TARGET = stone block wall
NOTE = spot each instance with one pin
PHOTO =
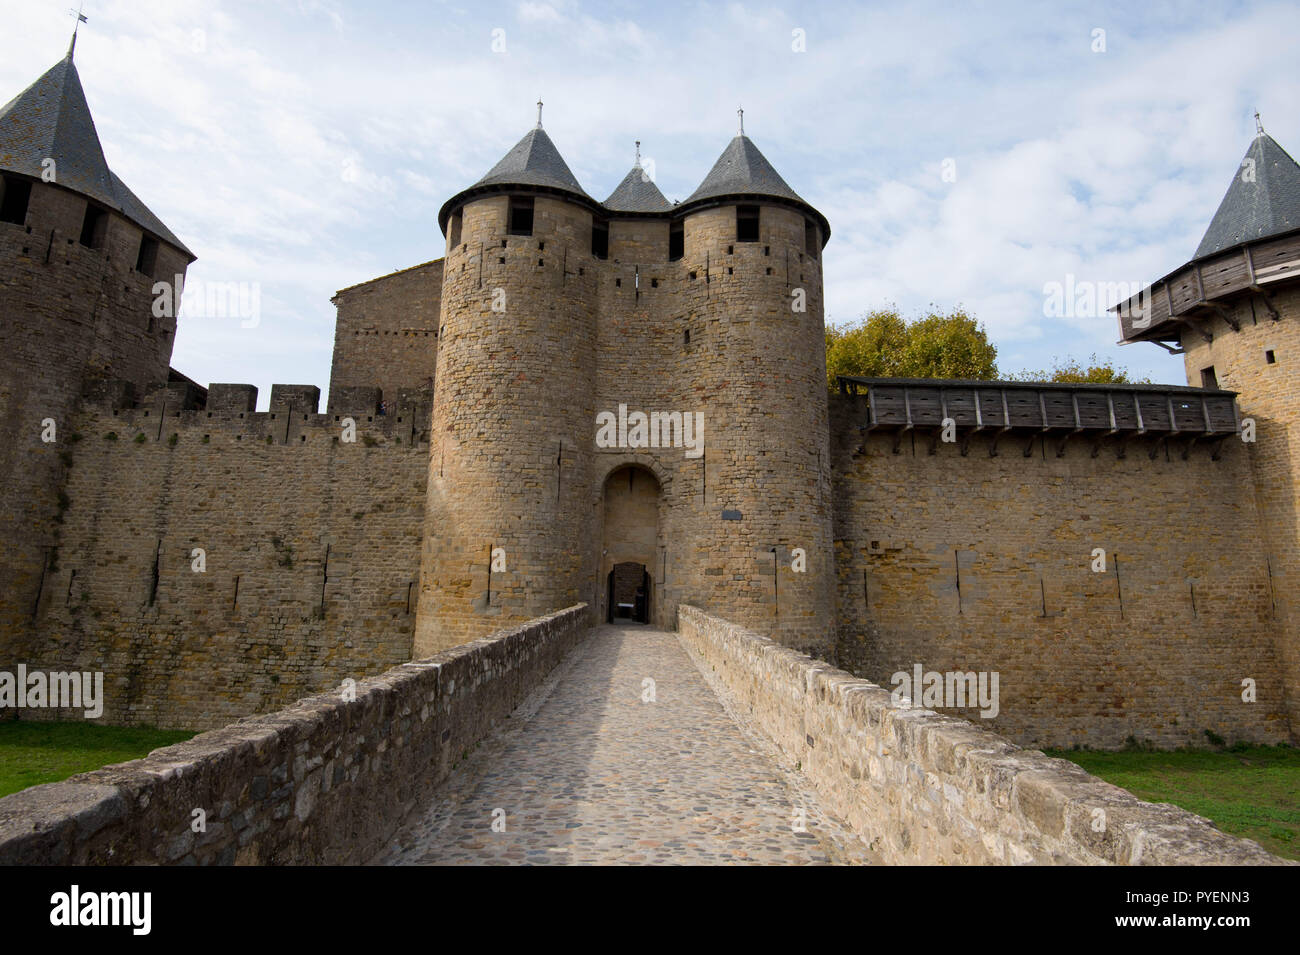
(386, 333)
(309, 550)
(326, 781)
(921, 787)
(69, 316)
(985, 564)
(1260, 360)
(513, 424)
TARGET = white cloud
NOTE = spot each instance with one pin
(1105, 166)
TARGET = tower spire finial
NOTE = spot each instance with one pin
(539, 114)
(1259, 127)
(638, 153)
(741, 113)
(81, 18)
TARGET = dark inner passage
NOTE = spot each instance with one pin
(629, 593)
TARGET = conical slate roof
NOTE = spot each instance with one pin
(1263, 200)
(534, 161)
(637, 193)
(51, 120)
(743, 170)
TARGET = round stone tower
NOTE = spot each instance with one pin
(508, 510)
(758, 549)
(630, 405)
(1233, 312)
(80, 255)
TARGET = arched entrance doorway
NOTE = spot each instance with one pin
(629, 544)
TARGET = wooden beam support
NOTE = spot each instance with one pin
(1268, 304)
(994, 437)
(1199, 327)
(1226, 316)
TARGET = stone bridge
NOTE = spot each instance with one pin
(556, 743)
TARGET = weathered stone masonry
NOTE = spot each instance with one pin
(921, 787)
(979, 563)
(310, 551)
(327, 780)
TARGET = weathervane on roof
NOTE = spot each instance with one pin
(638, 153)
(81, 18)
(1259, 127)
(539, 114)
(741, 114)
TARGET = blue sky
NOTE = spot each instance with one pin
(306, 146)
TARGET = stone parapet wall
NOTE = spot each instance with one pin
(921, 787)
(325, 781)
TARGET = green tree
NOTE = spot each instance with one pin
(882, 345)
(1071, 371)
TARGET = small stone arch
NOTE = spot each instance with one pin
(607, 464)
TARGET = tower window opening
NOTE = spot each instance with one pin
(686, 337)
(1270, 357)
(15, 194)
(453, 231)
(146, 260)
(746, 223)
(810, 237)
(521, 215)
(93, 227)
(676, 242)
(600, 238)
(1209, 379)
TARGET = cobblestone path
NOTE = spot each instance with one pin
(586, 772)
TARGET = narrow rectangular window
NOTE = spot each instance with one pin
(1270, 357)
(600, 238)
(93, 227)
(453, 231)
(1209, 379)
(146, 260)
(810, 243)
(521, 215)
(676, 242)
(15, 194)
(746, 223)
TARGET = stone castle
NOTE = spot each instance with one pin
(623, 404)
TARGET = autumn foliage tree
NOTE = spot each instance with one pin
(882, 345)
(1071, 371)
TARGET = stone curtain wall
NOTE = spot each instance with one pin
(311, 557)
(982, 563)
(921, 787)
(323, 782)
